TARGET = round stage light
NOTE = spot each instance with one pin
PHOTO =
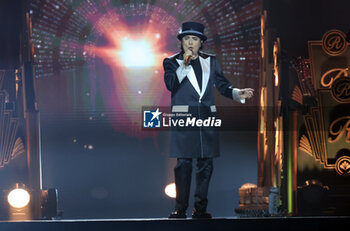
(18, 198)
(170, 190)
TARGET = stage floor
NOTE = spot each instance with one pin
(233, 223)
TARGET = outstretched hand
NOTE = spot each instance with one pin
(246, 93)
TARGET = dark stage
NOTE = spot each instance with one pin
(219, 224)
(89, 89)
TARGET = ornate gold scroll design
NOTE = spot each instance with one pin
(341, 90)
(8, 130)
(343, 166)
(18, 148)
(334, 42)
(315, 137)
(297, 95)
(344, 129)
(304, 145)
(341, 72)
(310, 130)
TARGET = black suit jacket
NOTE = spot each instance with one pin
(186, 96)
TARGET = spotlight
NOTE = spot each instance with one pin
(19, 197)
(25, 203)
(170, 190)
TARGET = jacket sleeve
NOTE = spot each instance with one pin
(174, 74)
(223, 85)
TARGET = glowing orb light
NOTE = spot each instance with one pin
(170, 190)
(131, 69)
(136, 53)
(18, 198)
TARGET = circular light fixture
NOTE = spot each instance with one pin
(170, 190)
(18, 198)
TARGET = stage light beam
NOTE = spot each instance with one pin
(136, 53)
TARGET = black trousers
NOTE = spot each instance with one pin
(183, 175)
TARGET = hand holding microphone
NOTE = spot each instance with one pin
(188, 56)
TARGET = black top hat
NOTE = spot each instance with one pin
(192, 28)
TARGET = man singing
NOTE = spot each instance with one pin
(191, 75)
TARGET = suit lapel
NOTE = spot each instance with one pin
(205, 64)
(191, 77)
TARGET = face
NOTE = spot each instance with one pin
(191, 42)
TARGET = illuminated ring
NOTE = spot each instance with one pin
(340, 161)
(330, 35)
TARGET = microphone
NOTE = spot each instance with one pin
(187, 60)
